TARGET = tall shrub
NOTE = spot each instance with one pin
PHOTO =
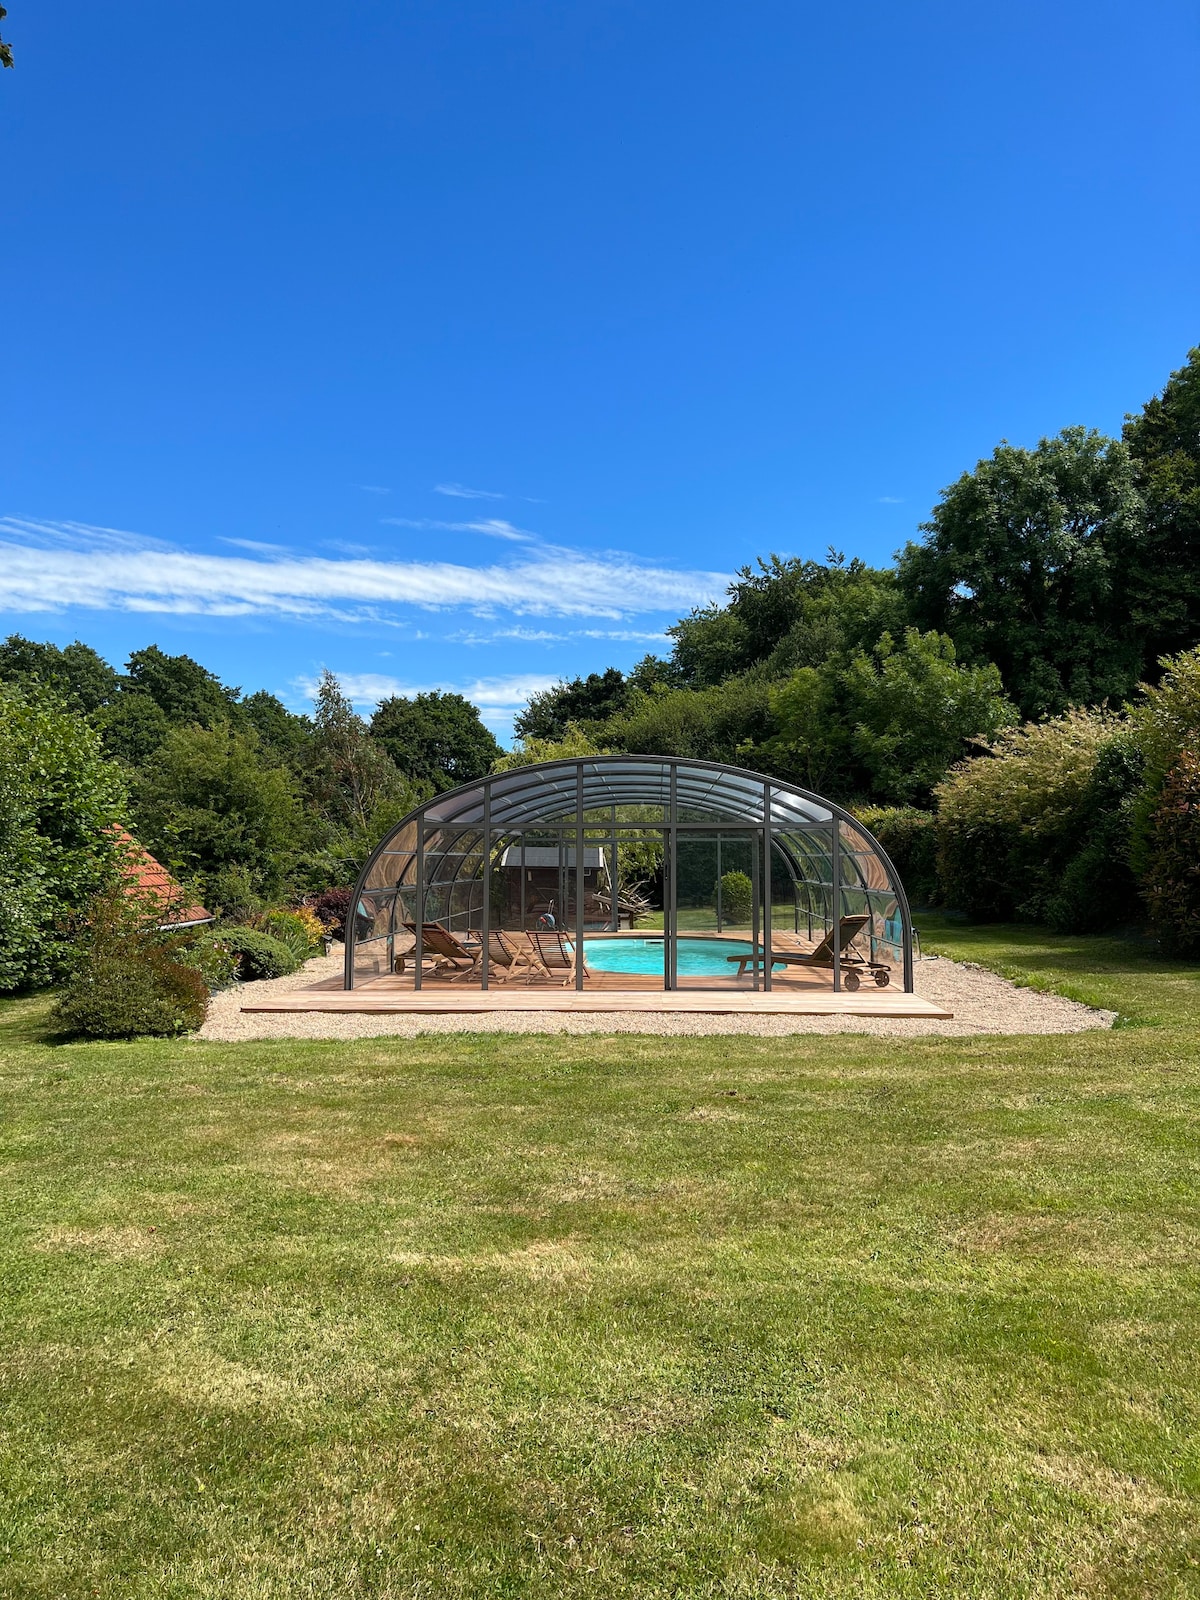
(128, 979)
(910, 838)
(1011, 820)
(59, 797)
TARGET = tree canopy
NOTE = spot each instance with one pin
(435, 738)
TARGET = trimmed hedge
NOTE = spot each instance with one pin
(737, 898)
(258, 954)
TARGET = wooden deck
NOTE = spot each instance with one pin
(381, 997)
(795, 991)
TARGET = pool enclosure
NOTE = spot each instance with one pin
(631, 860)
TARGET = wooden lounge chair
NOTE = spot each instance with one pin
(507, 958)
(852, 965)
(449, 953)
(554, 953)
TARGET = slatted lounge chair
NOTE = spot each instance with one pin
(506, 959)
(852, 965)
(554, 953)
(449, 953)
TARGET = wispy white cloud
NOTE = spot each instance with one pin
(258, 545)
(889, 500)
(49, 566)
(497, 698)
(459, 491)
(492, 527)
(372, 488)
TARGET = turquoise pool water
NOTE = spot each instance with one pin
(698, 958)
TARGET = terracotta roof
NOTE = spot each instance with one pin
(151, 882)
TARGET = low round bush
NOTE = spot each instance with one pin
(301, 932)
(258, 954)
(119, 993)
(209, 955)
(737, 897)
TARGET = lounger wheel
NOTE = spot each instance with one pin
(850, 980)
(882, 977)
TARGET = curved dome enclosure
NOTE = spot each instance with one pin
(577, 852)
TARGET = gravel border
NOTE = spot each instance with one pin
(981, 1001)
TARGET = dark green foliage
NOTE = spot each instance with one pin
(596, 698)
(133, 727)
(209, 800)
(59, 799)
(909, 836)
(886, 724)
(76, 674)
(435, 738)
(281, 732)
(1098, 889)
(1027, 562)
(1172, 878)
(209, 955)
(183, 689)
(737, 898)
(786, 613)
(127, 980)
(258, 953)
(1162, 590)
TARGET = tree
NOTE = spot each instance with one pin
(1162, 589)
(914, 710)
(183, 689)
(435, 738)
(6, 55)
(1026, 562)
(76, 674)
(784, 614)
(59, 799)
(596, 698)
(354, 784)
(212, 805)
(279, 730)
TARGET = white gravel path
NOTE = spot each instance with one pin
(981, 1002)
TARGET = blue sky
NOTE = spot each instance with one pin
(466, 345)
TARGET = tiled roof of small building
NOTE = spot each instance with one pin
(150, 881)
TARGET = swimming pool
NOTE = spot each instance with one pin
(698, 958)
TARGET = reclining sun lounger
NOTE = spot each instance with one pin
(852, 965)
(446, 948)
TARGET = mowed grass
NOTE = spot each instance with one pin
(598, 1316)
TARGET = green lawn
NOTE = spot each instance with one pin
(610, 1316)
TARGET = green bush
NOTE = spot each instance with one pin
(1171, 884)
(59, 799)
(258, 954)
(910, 838)
(127, 980)
(1010, 822)
(293, 929)
(737, 898)
(209, 955)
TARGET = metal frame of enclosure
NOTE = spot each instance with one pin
(459, 860)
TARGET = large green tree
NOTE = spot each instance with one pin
(353, 784)
(215, 807)
(59, 799)
(75, 673)
(435, 738)
(596, 698)
(1028, 562)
